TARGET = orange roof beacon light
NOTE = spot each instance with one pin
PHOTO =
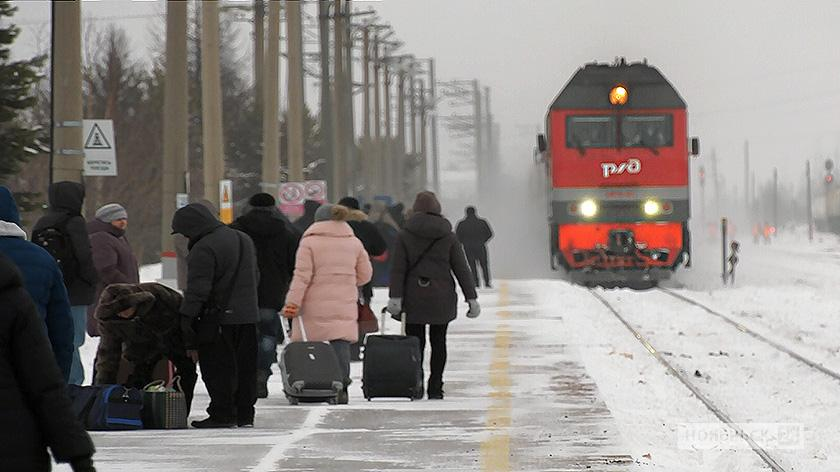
(618, 95)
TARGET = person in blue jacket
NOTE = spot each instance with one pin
(42, 279)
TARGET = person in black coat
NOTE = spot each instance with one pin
(221, 262)
(474, 233)
(304, 222)
(35, 409)
(80, 277)
(276, 248)
(427, 254)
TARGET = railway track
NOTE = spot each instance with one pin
(685, 380)
(740, 327)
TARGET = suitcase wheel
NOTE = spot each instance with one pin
(293, 401)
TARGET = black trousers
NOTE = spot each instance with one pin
(229, 370)
(437, 339)
(475, 256)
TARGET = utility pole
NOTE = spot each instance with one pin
(340, 151)
(378, 180)
(434, 130)
(776, 199)
(349, 119)
(366, 83)
(489, 159)
(412, 113)
(326, 116)
(294, 34)
(398, 154)
(211, 102)
(175, 121)
(271, 94)
(747, 176)
(810, 212)
(388, 154)
(478, 126)
(423, 171)
(67, 150)
(259, 51)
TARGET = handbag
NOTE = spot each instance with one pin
(209, 324)
(164, 407)
(367, 320)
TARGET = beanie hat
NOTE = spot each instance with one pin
(427, 202)
(262, 200)
(349, 202)
(470, 211)
(328, 211)
(111, 212)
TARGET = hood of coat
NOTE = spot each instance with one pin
(331, 229)
(262, 221)
(357, 215)
(11, 230)
(194, 221)
(120, 297)
(67, 196)
(8, 206)
(97, 226)
(9, 275)
(428, 225)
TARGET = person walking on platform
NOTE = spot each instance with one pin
(112, 256)
(389, 229)
(331, 265)
(276, 247)
(474, 233)
(305, 221)
(142, 323)
(426, 255)
(220, 306)
(62, 231)
(36, 411)
(42, 279)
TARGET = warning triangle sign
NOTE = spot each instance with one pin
(96, 139)
(225, 196)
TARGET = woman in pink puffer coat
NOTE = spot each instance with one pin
(331, 265)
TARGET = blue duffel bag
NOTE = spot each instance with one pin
(108, 407)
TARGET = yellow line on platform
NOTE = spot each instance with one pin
(495, 450)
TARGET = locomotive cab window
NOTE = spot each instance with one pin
(590, 132)
(649, 131)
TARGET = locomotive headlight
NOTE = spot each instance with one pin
(588, 208)
(618, 95)
(652, 208)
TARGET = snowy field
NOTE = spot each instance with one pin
(548, 379)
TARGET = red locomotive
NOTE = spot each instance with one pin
(617, 154)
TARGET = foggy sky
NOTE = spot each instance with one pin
(749, 69)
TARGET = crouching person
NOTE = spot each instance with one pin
(142, 323)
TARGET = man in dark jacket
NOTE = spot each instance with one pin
(34, 405)
(112, 256)
(304, 222)
(474, 233)
(65, 215)
(276, 249)
(221, 296)
(42, 279)
(422, 287)
(142, 323)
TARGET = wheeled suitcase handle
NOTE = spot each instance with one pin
(302, 328)
(384, 317)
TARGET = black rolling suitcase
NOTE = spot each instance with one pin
(311, 372)
(392, 366)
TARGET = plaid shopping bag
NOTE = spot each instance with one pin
(164, 407)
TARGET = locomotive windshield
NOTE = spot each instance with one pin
(649, 131)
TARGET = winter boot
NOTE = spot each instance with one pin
(262, 383)
(211, 423)
(435, 390)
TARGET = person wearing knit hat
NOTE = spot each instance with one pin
(112, 255)
(261, 200)
(426, 256)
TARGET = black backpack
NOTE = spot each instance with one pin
(57, 242)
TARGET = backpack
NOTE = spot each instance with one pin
(57, 242)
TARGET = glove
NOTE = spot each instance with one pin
(394, 306)
(82, 464)
(475, 309)
(187, 332)
(290, 310)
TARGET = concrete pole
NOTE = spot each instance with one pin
(326, 115)
(400, 151)
(349, 128)
(488, 128)
(67, 158)
(294, 34)
(339, 152)
(434, 130)
(422, 174)
(211, 102)
(478, 127)
(271, 109)
(259, 52)
(776, 199)
(412, 116)
(366, 81)
(175, 119)
(810, 210)
(377, 86)
(387, 151)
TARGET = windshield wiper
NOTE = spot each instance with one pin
(650, 147)
(576, 142)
